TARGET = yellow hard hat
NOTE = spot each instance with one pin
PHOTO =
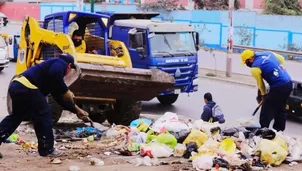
(246, 54)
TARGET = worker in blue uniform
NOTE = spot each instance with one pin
(270, 67)
(28, 91)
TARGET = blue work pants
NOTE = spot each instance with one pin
(29, 103)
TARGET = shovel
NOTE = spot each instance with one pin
(256, 110)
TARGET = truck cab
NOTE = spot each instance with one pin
(170, 47)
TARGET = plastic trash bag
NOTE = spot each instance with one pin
(228, 146)
(181, 136)
(295, 148)
(179, 150)
(164, 138)
(265, 133)
(155, 150)
(271, 152)
(221, 162)
(206, 127)
(141, 124)
(203, 162)
(210, 147)
(169, 121)
(196, 136)
(190, 147)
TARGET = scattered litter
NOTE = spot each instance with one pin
(147, 161)
(107, 153)
(96, 161)
(55, 161)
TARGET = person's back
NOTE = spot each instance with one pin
(212, 111)
(272, 70)
(46, 75)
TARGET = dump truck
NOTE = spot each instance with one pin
(170, 47)
(105, 84)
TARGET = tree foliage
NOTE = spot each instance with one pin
(215, 4)
(282, 7)
(166, 5)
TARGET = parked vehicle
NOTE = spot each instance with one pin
(4, 61)
(294, 103)
(12, 42)
(4, 18)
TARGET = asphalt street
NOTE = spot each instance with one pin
(236, 101)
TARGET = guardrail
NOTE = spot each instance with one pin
(291, 53)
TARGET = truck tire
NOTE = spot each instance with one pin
(167, 99)
(56, 109)
(124, 112)
(1, 68)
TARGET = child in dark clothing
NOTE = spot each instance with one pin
(211, 111)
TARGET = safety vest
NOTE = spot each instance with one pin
(272, 70)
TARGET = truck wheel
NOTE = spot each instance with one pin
(1, 68)
(124, 112)
(167, 99)
(56, 109)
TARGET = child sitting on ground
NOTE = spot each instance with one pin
(211, 111)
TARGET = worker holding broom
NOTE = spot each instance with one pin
(269, 66)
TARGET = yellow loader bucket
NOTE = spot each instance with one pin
(100, 81)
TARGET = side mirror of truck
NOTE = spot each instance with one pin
(141, 52)
(196, 40)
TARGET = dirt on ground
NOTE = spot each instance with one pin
(82, 154)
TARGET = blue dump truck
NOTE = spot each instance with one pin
(170, 47)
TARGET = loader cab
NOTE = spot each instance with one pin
(92, 28)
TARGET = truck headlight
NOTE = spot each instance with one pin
(195, 81)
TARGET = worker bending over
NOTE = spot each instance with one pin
(28, 91)
(270, 67)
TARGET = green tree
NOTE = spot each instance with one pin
(282, 7)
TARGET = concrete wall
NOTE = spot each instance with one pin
(266, 31)
(17, 11)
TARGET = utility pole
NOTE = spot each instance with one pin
(230, 40)
(92, 6)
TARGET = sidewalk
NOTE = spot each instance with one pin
(246, 80)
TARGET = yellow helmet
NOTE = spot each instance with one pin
(246, 54)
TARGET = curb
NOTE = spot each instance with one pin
(229, 81)
(217, 78)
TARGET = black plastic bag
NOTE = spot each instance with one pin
(265, 133)
(221, 163)
(190, 147)
(181, 135)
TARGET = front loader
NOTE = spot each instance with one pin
(105, 84)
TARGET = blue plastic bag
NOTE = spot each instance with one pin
(136, 122)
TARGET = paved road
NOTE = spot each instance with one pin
(236, 101)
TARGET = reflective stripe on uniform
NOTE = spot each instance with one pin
(23, 80)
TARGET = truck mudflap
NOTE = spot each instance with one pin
(100, 81)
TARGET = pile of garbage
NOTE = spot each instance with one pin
(242, 145)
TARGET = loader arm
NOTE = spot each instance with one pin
(32, 37)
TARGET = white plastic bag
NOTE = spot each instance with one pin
(203, 162)
(155, 150)
(179, 150)
(170, 122)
